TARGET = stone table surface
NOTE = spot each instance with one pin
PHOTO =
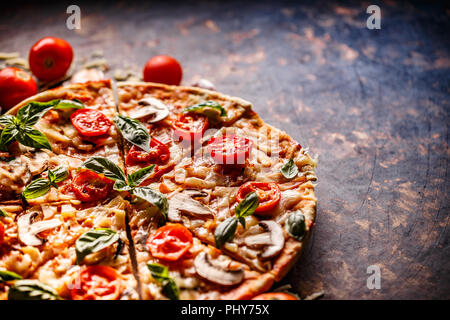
(373, 104)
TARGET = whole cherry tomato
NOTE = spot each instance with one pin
(269, 194)
(170, 242)
(230, 149)
(163, 69)
(96, 283)
(90, 122)
(275, 296)
(88, 186)
(15, 85)
(50, 58)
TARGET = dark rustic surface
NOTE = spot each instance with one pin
(373, 104)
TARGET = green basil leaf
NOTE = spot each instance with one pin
(58, 175)
(94, 241)
(105, 167)
(241, 221)
(32, 290)
(136, 178)
(153, 197)
(3, 213)
(30, 114)
(201, 107)
(6, 275)
(36, 189)
(133, 131)
(121, 185)
(211, 109)
(69, 104)
(158, 271)
(170, 289)
(51, 175)
(247, 206)
(7, 136)
(295, 225)
(161, 274)
(289, 170)
(225, 231)
(6, 120)
(32, 138)
(40, 187)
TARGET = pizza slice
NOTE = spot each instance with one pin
(59, 129)
(209, 193)
(32, 236)
(77, 120)
(174, 264)
(175, 118)
(80, 251)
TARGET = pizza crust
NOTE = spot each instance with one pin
(59, 92)
(250, 288)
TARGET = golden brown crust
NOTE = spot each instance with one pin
(191, 90)
(250, 288)
(60, 92)
(292, 248)
(181, 97)
(290, 149)
(288, 257)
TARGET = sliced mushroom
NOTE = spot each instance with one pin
(28, 229)
(37, 162)
(183, 203)
(276, 237)
(259, 239)
(13, 176)
(20, 171)
(271, 240)
(150, 107)
(217, 272)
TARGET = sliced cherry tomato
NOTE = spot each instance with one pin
(190, 127)
(159, 154)
(50, 58)
(89, 186)
(2, 233)
(230, 149)
(96, 283)
(163, 69)
(268, 192)
(275, 296)
(15, 85)
(170, 242)
(90, 122)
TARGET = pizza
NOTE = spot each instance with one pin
(148, 191)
